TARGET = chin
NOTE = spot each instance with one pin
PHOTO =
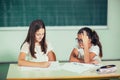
(81, 47)
(38, 40)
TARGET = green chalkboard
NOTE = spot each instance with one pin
(53, 12)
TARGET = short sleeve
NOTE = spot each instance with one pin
(25, 48)
(50, 48)
(95, 49)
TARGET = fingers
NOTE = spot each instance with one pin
(95, 62)
(47, 64)
(84, 33)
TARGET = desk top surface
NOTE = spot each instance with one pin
(15, 73)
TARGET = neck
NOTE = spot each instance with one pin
(37, 44)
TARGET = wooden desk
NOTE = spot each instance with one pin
(14, 73)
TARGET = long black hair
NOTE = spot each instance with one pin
(93, 36)
(34, 26)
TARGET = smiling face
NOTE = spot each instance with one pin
(39, 34)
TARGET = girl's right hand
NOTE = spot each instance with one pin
(44, 64)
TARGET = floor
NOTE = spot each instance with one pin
(3, 70)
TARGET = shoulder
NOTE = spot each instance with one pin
(76, 48)
(75, 51)
(26, 44)
(95, 49)
(25, 47)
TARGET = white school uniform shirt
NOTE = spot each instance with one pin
(93, 48)
(40, 56)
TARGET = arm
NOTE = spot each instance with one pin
(74, 56)
(51, 56)
(88, 56)
(23, 62)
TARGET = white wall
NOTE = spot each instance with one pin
(63, 40)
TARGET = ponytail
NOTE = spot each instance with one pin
(95, 41)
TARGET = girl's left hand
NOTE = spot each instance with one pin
(94, 62)
(85, 39)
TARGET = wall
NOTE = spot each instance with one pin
(64, 39)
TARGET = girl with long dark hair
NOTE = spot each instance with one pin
(35, 50)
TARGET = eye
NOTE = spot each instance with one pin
(37, 34)
(42, 33)
(79, 40)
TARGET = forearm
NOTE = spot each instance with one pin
(75, 59)
(86, 55)
(32, 64)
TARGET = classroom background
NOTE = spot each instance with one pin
(63, 40)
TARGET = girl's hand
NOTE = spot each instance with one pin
(45, 64)
(94, 62)
(85, 39)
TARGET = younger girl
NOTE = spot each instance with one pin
(35, 50)
(89, 49)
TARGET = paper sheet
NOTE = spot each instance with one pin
(78, 67)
